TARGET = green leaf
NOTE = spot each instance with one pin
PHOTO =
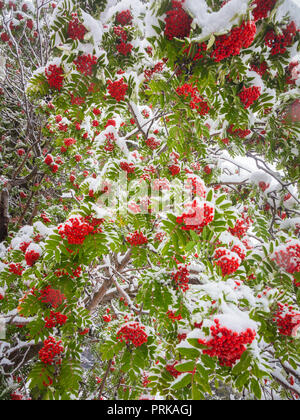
(184, 380)
(185, 367)
(189, 352)
(255, 387)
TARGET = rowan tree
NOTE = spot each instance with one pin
(158, 252)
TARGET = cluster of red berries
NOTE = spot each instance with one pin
(53, 297)
(178, 22)
(296, 282)
(262, 8)
(16, 269)
(241, 227)
(174, 170)
(84, 332)
(182, 337)
(288, 257)
(181, 278)
(260, 68)
(4, 37)
(228, 346)
(279, 43)
(24, 245)
(124, 48)
(200, 52)
(85, 64)
(263, 186)
(249, 95)
(55, 76)
(240, 251)
(196, 187)
(137, 239)
(156, 69)
(238, 132)
(231, 44)
(152, 143)
(173, 317)
(287, 320)
(31, 257)
(109, 145)
(51, 352)
(76, 30)
(145, 381)
(77, 229)
(228, 261)
(120, 32)
(55, 318)
(197, 101)
(124, 18)
(172, 370)
(127, 167)
(133, 333)
(70, 141)
(76, 273)
(293, 72)
(15, 396)
(77, 100)
(198, 216)
(50, 162)
(50, 382)
(117, 89)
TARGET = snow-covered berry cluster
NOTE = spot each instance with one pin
(152, 143)
(227, 345)
(49, 161)
(198, 215)
(132, 334)
(76, 30)
(262, 8)
(196, 186)
(31, 257)
(55, 76)
(287, 320)
(181, 278)
(279, 43)
(124, 18)
(117, 89)
(16, 269)
(137, 239)
(231, 44)
(85, 64)
(293, 73)
(178, 22)
(127, 167)
(288, 256)
(241, 227)
(228, 261)
(76, 229)
(124, 48)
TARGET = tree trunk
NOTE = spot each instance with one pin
(4, 216)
